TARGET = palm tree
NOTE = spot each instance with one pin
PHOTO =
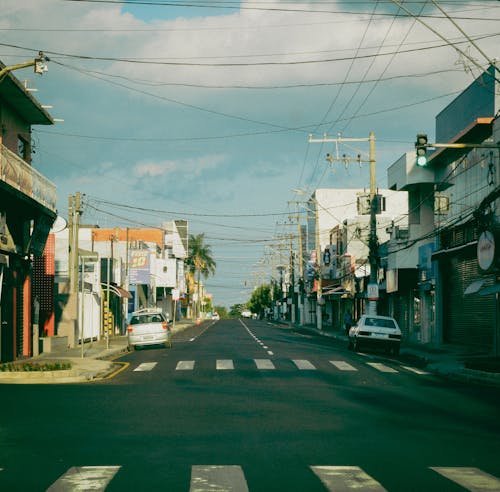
(200, 258)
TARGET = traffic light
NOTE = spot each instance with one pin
(421, 148)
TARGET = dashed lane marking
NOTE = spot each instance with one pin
(185, 365)
(415, 370)
(224, 364)
(381, 367)
(345, 478)
(85, 478)
(145, 366)
(264, 364)
(342, 365)
(303, 365)
(229, 478)
(472, 479)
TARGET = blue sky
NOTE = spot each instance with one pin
(204, 114)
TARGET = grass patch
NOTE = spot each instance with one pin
(34, 366)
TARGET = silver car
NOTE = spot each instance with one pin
(148, 327)
(375, 331)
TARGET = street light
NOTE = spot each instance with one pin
(39, 65)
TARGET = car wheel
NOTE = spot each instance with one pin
(130, 348)
(349, 345)
(395, 350)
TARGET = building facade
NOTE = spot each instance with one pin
(27, 212)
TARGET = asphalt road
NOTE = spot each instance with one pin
(246, 405)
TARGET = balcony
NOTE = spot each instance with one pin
(20, 175)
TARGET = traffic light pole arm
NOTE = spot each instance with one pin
(463, 146)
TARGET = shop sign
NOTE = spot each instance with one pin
(372, 292)
(486, 250)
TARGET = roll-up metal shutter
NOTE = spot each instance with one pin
(467, 319)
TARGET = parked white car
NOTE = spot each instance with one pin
(148, 327)
(246, 313)
(375, 331)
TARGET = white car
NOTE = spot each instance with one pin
(375, 331)
(148, 327)
(246, 313)
(216, 316)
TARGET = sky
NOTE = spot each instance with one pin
(203, 110)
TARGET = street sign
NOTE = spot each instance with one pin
(372, 292)
(176, 294)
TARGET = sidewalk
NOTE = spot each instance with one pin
(450, 361)
(97, 362)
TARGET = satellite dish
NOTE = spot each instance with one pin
(59, 225)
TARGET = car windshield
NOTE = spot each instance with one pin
(146, 318)
(381, 322)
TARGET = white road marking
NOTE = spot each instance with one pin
(192, 339)
(381, 367)
(342, 365)
(346, 478)
(270, 353)
(218, 479)
(415, 370)
(265, 347)
(84, 478)
(224, 364)
(471, 479)
(303, 365)
(146, 366)
(264, 364)
(185, 365)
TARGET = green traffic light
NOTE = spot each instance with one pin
(422, 160)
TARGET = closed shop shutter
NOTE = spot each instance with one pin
(467, 319)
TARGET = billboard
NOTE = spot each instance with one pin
(139, 266)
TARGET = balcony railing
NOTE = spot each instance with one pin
(21, 176)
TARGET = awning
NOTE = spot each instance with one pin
(117, 290)
(437, 254)
(491, 289)
(474, 287)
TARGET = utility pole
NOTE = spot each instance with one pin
(74, 211)
(372, 291)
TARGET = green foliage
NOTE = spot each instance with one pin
(222, 312)
(261, 298)
(235, 310)
(34, 366)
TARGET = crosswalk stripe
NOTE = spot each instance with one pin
(264, 364)
(224, 364)
(146, 366)
(346, 478)
(381, 367)
(185, 365)
(84, 478)
(218, 478)
(471, 479)
(303, 365)
(415, 370)
(342, 365)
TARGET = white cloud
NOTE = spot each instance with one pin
(186, 167)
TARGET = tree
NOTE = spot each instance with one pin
(235, 310)
(222, 311)
(260, 299)
(200, 260)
